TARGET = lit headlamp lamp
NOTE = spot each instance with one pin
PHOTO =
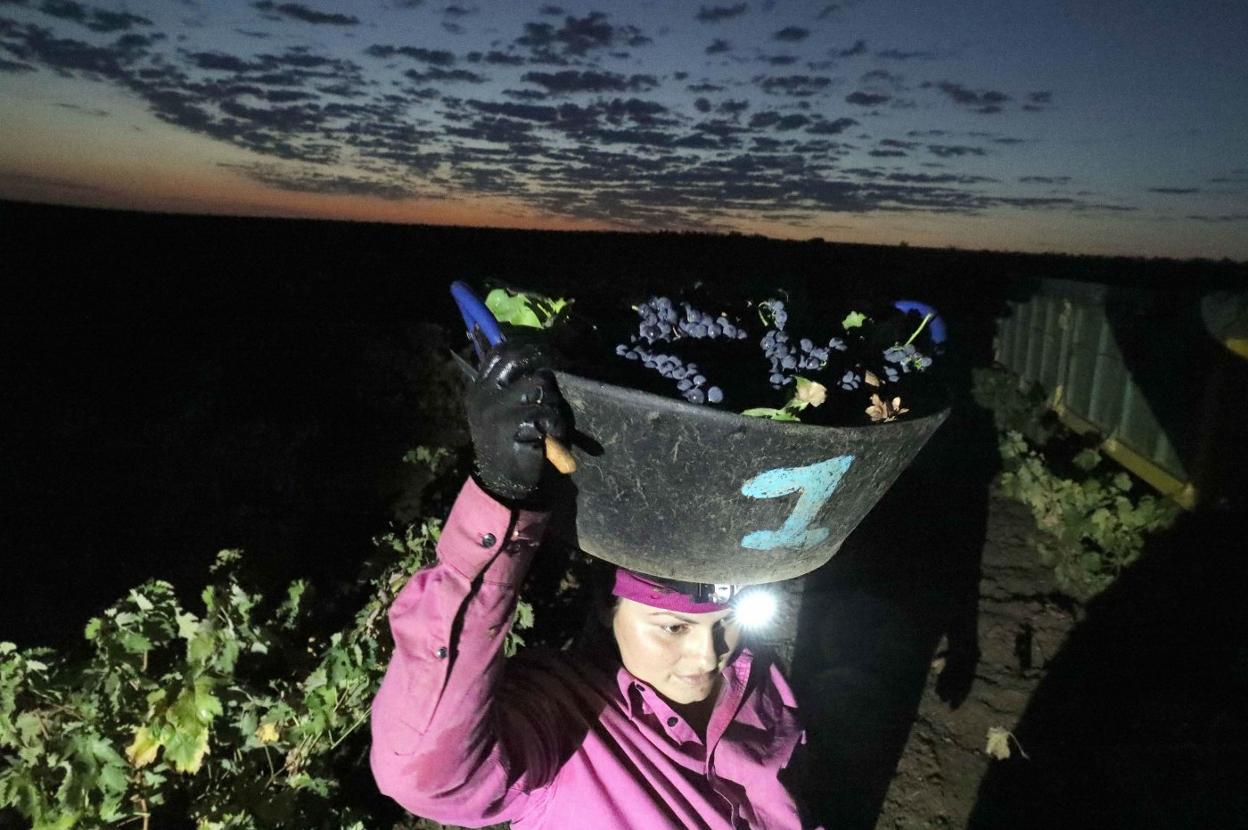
(753, 606)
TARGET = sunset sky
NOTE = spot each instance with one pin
(1077, 126)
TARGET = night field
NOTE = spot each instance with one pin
(174, 386)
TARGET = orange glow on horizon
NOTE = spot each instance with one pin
(213, 191)
(149, 166)
(213, 194)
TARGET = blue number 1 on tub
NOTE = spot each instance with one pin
(816, 483)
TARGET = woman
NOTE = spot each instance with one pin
(678, 726)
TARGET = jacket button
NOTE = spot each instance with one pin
(672, 721)
(488, 540)
(440, 652)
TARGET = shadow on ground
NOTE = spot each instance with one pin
(874, 618)
(1142, 718)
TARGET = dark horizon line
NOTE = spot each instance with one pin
(1223, 262)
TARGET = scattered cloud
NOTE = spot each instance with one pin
(577, 37)
(955, 150)
(1236, 176)
(903, 55)
(15, 67)
(859, 48)
(437, 74)
(777, 121)
(300, 12)
(97, 20)
(834, 127)
(867, 99)
(437, 57)
(1218, 218)
(570, 81)
(495, 58)
(544, 114)
(716, 14)
(882, 76)
(985, 102)
(791, 34)
(937, 178)
(311, 180)
(797, 86)
(94, 112)
(1038, 101)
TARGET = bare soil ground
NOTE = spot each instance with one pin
(1022, 625)
(1127, 711)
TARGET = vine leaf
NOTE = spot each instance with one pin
(267, 733)
(853, 320)
(186, 749)
(523, 308)
(998, 745)
(142, 751)
(1086, 459)
(773, 414)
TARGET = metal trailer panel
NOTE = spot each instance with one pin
(1062, 339)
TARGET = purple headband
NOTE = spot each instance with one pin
(636, 587)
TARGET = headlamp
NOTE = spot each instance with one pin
(719, 594)
(753, 606)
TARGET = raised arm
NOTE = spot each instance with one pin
(441, 747)
(436, 746)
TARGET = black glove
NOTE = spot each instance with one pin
(512, 405)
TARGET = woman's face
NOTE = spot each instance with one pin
(681, 655)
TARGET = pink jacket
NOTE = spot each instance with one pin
(463, 736)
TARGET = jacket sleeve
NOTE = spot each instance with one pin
(440, 747)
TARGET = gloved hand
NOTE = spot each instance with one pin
(512, 405)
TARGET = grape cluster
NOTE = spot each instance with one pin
(907, 357)
(662, 323)
(785, 359)
(659, 320)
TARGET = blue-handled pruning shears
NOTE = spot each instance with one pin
(937, 329)
(484, 332)
(478, 320)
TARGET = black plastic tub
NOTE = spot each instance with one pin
(688, 492)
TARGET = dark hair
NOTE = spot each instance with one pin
(597, 577)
